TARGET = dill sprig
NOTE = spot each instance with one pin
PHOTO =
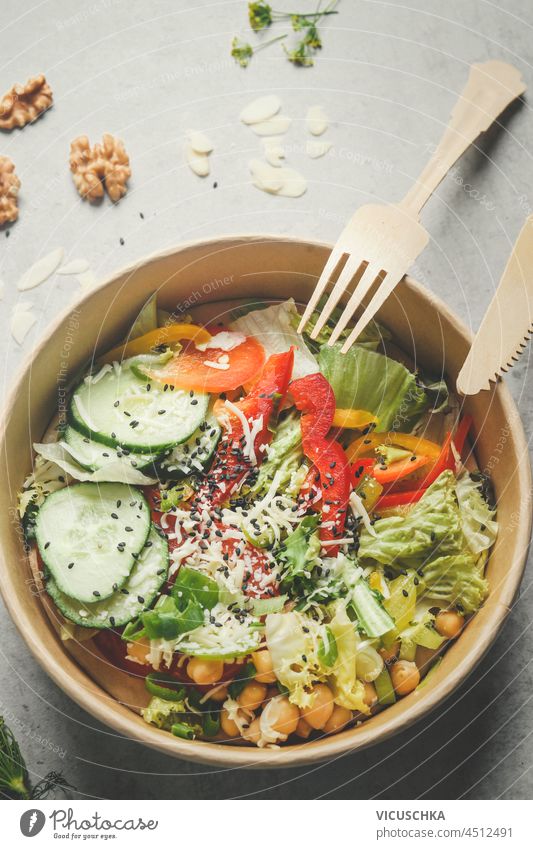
(262, 15)
(242, 52)
(14, 778)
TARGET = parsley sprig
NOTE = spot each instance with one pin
(261, 16)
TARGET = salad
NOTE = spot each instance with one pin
(280, 539)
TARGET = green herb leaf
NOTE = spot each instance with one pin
(242, 52)
(259, 15)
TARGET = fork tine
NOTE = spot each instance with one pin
(370, 274)
(347, 273)
(387, 286)
(330, 266)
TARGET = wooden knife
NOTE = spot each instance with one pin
(508, 322)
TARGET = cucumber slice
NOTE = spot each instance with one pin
(147, 577)
(123, 409)
(194, 455)
(95, 455)
(89, 536)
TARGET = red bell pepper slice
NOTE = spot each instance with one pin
(231, 465)
(462, 432)
(444, 461)
(315, 399)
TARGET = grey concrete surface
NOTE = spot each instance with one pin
(388, 75)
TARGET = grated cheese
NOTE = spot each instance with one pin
(359, 511)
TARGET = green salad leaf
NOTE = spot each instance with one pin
(440, 537)
(293, 641)
(371, 337)
(477, 518)
(284, 455)
(432, 526)
(363, 379)
(348, 691)
(299, 555)
(457, 580)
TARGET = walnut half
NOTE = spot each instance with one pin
(9, 189)
(104, 165)
(24, 103)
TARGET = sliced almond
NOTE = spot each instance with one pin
(315, 149)
(277, 181)
(41, 270)
(265, 177)
(274, 152)
(75, 266)
(21, 324)
(199, 142)
(261, 109)
(275, 126)
(317, 120)
(198, 162)
(294, 183)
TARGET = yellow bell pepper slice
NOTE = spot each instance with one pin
(160, 336)
(364, 445)
(356, 419)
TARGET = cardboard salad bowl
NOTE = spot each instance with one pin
(192, 276)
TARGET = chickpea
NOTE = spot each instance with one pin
(405, 677)
(321, 708)
(263, 663)
(370, 697)
(338, 719)
(138, 650)
(288, 716)
(252, 696)
(229, 727)
(390, 654)
(205, 671)
(449, 623)
(303, 729)
(253, 733)
(220, 695)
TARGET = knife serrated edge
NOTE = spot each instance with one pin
(484, 362)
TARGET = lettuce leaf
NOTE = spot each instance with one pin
(457, 580)
(371, 337)
(274, 329)
(284, 454)
(432, 527)
(477, 518)
(440, 537)
(119, 471)
(348, 690)
(366, 380)
(294, 641)
(299, 555)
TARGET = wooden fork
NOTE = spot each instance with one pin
(380, 243)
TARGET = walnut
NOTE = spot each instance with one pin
(105, 165)
(117, 166)
(24, 103)
(9, 189)
(87, 169)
